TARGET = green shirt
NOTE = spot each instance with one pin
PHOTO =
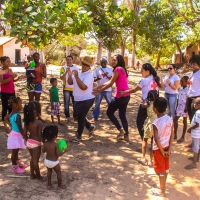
(55, 96)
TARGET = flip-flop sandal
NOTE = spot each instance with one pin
(180, 141)
(188, 145)
(142, 161)
(155, 192)
(150, 164)
(191, 166)
(156, 186)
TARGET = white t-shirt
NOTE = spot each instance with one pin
(196, 119)
(99, 73)
(173, 79)
(147, 84)
(194, 84)
(164, 126)
(73, 67)
(88, 79)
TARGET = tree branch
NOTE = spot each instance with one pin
(192, 7)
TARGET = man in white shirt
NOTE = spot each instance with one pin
(67, 89)
(102, 75)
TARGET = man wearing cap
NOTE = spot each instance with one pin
(83, 97)
(67, 89)
(102, 75)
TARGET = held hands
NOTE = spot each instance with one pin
(14, 75)
(95, 91)
(168, 81)
(166, 153)
(68, 71)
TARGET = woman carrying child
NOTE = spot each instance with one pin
(34, 141)
(51, 161)
(182, 97)
(15, 137)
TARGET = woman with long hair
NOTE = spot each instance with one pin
(150, 81)
(120, 78)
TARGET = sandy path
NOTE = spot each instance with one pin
(99, 168)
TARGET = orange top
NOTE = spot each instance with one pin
(38, 69)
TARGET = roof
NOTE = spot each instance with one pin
(4, 40)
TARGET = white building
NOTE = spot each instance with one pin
(14, 51)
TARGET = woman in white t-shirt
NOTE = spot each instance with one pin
(171, 84)
(193, 85)
(83, 97)
(150, 81)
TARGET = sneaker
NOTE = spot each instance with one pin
(75, 140)
(17, 170)
(21, 164)
(91, 131)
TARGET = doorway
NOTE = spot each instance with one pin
(18, 56)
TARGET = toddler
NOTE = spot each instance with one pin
(30, 73)
(182, 98)
(54, 99)
(50, 147)
(148, 132)
(162, 143)
(195, 132)
(15, 137)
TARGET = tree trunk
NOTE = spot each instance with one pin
(99, 54)
(179, 49)
(123, 46)
(109, 57)
(158, 60)
(133, 50)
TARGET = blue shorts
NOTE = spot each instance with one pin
(38, 88)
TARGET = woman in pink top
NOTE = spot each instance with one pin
(120, 78)
(7, 86)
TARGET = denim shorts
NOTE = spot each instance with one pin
(38, 88)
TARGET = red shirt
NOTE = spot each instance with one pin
(38, 69)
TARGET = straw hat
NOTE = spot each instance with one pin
(87, 60)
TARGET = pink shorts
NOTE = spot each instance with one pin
(56, 109)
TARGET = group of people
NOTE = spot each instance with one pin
(152, 123)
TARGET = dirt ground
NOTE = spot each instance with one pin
(99, 168)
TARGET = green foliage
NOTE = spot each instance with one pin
(91, 48)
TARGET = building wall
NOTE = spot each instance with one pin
(9, 50)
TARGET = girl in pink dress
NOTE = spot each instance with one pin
(182, 98)
(15, 139)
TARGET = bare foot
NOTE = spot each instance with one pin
(61, 187)
(33, 177)
(49, 187)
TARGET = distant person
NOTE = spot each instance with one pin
(40, 72)
(102, 75)
(67, 89)
(138, 65)
(24, 59)
(163, 136)
(50, 147)
(120, 103)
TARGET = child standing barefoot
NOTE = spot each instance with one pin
(15, 140)
(180, 109)
(54, 99)
(34, 127)
(162, 143)
(148, 132)
(195, 132)
(50, 134)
